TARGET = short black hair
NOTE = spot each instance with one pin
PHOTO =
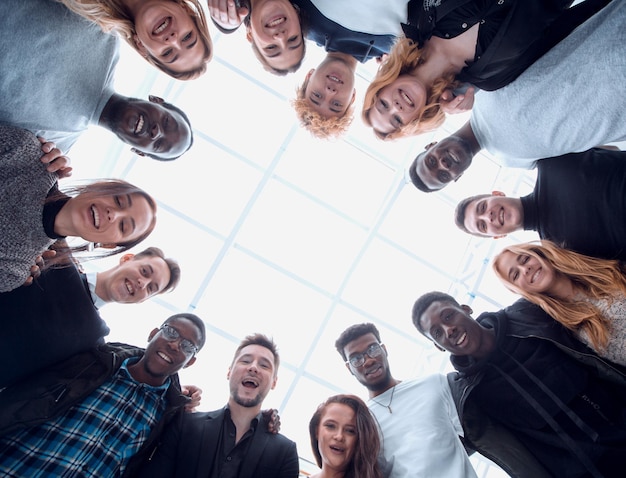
(197, 321)
(424, 302)
(461, 208)
(175, 109)
(354, 332)
(416, 180)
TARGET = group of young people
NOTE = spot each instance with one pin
(77, 406)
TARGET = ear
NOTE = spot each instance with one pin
(249, 34)
(108, 246)
(430, 145)
(137, 152)
(274, 382)
(152, 334)
(458, 177)
(499, 237)
(191, 362)
(353, 96)
(309, 74)
(468, 310)
(498, 193)
(228, 374)
(438, 347)
(349, 369)
(384, 347)
(126, 258)
(141, 48)
(156, 99)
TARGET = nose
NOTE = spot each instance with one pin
(397, 104)
(141, 284)
(449, 330)
(331, 88)
(155, 131)
(338, 435)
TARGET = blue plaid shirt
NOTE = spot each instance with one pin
(94, 438)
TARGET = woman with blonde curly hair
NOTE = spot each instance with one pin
(170, 34)
(485, 43)
(585, 294)
(345, 439)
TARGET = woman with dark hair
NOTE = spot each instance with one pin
(585, 294)
(170, 34)
(110, 214)
(345, 439)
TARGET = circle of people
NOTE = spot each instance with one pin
(539, 387)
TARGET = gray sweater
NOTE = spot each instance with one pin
(24, 185)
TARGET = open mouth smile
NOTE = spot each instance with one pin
(139, 125)
(334, 78)
(129, 287)
(462, 339)
(162, 26)
(275, 22)
(95, 216)
(250, 383)
(407, 99)
(165, 357)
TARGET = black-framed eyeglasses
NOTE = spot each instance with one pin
(171, 334)
(373, 351)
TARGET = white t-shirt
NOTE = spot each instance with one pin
(570, 100)
(375, 17)
(421, 434)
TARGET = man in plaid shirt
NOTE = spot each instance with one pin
(95, 414)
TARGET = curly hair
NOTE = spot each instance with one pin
(364, 462)
(316, 124)
(595, 278)
(404, 57)
(114, 16)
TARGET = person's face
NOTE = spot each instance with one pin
(337, 436)
(526, 272)
(330, 88)
(165, 357)
(275, 30)
(252, 375)
(443, 162)
(453, 329)
(397, 104)
(110, 220)
(493, 216)
(151, 128)
(135, 279)
(374, 374)
(166, 32)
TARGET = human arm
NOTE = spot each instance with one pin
(452, 103)
(35, 270)
(227, 15)
(195, 395)
(54, 158)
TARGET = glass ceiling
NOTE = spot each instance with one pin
(298, 238)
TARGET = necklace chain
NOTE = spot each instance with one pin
(388, 406)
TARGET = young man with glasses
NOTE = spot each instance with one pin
(417, 418)
(233, 441)
(98, 413)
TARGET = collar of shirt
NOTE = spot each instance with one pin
(92, 278)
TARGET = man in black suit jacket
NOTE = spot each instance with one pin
(233, 441)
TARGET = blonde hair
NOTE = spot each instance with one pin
(114, 16)
(596, 278)
(403, 58)
(319, 126)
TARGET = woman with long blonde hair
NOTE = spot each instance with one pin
(485, 43)
(585, 294)
(172, 35)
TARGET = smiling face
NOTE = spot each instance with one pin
(275, 30)
(397, 104)
(164, 357)
(374, 374)
(110, 220)
(453, 329)
(337, 437)
(525, 272)
(443, 162)
(494, 216)
(251, 376)
(330, 87)
(133, 280)
(166, 32)
(150, 127)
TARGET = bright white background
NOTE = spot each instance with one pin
(280, 233)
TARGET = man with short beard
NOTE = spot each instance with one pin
(418, 421)
(233, 441)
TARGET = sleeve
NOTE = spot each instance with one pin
(448, 402)
(161, 461)
(290, 467)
